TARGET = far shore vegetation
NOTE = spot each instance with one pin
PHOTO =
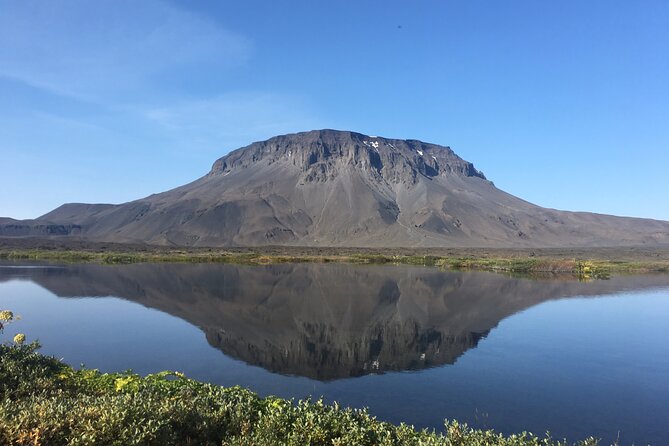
(523, 262)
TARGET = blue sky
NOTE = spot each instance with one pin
(565, 104)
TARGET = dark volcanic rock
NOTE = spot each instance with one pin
(21, 228)
(336, 188)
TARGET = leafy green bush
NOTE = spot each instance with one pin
(45, 402)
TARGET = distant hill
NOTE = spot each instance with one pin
(339, 188)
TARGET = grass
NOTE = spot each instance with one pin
(579, 267)
(45, 402)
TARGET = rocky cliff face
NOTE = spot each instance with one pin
(325, 154)
(335, 188)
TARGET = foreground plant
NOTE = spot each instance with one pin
(45, 402)
(6, 318)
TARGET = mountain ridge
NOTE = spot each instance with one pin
(340, 188)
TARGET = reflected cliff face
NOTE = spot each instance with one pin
(326, 321)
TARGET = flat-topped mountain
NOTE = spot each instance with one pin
(338, 188)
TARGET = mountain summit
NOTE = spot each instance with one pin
(339, 188)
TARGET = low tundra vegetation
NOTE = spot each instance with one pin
(523, 264)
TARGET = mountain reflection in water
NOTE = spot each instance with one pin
(326, 321)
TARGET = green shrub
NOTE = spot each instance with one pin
(45, 402)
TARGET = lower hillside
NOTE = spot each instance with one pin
(45, 402)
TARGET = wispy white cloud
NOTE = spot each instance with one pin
(107, 89)
(106, 48)
(116, 53)
(231, 120)
(134, 67)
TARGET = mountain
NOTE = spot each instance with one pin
(339, 188)
(327, 321)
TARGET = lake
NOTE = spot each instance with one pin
(414, 344)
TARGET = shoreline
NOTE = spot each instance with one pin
(578, 262)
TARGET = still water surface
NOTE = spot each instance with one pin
(413, 344)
